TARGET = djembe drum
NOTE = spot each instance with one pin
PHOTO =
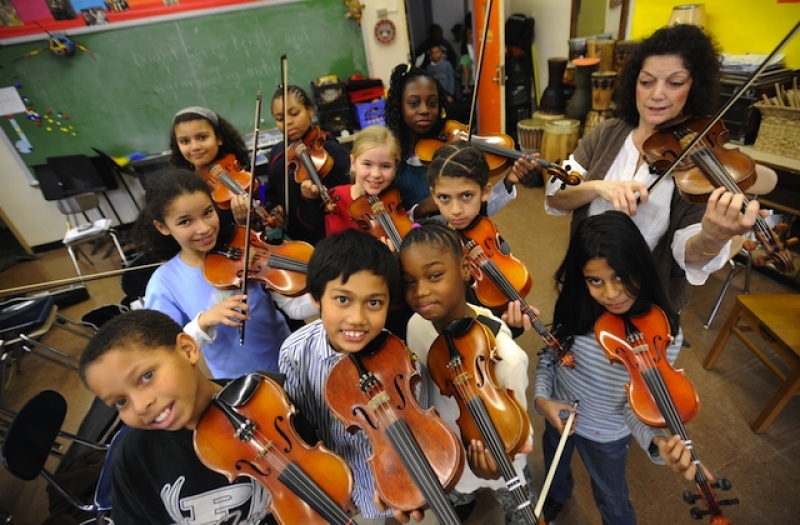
(603, 84)
(529, 134)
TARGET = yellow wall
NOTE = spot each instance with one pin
(740, 26)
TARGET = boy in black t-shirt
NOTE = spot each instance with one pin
(145, 367)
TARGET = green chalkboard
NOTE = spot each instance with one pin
(123, 99)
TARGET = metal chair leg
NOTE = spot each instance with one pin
(119, 247)
(67, 361)
(725, 287)
(72, 256)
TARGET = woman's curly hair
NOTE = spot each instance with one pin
(402, 75)
(700, 55)
(232, 141)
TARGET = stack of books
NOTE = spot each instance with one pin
(737, 69)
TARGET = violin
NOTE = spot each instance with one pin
(416, 457)
(309, 160)
(499, 278)
(710, 165)
(658, 394)
(382, 215)
(281, 267)
(248, 430)
(227, 178)
(460, 363)
(498, 150)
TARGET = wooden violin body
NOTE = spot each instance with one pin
(281, 267)
(226, 178)
(461, 364)
(314, 146)
(415, 454)
(710, 166)
(691, 177)
(383, 216)
(248, 431)
(499, 278)
(492, 270)
(643, 357)
(659, 395)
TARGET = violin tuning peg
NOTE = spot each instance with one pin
(723, 484)
(733, 501)
(750, 245)
(698, 513)
(791, 241)
(690, 498)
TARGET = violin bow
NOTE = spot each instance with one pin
(479, 69)
(556, 458)
(248, 221)
(285, 85)
(699, 136)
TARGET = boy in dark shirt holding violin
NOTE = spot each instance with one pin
(144, 366)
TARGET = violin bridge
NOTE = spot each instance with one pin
(462, 379)
(264, 450)
(378, 400)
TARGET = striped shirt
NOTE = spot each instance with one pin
(306, 358)
(604, 414)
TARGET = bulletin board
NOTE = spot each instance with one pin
(120, 97)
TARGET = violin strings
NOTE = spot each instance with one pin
(410, 453)
(500, 280)
(282, 262)
(488, 431)
(291, 475)
(658, 389)
(719, 174)
(386, 223)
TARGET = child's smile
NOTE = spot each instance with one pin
(197, 141)
(354, 312)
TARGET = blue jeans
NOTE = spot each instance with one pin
(605, 463)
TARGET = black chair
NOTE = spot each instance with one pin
(30, 439)
(23, 321)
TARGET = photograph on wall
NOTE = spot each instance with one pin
(23, 18)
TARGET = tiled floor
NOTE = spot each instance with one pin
(764, 469)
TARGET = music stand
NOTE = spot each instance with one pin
(105, 159)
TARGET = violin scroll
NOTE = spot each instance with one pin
(566, 174)
(698, 513)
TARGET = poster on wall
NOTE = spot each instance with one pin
(21, 19)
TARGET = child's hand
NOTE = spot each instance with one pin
(552, 411)
(280, 217)
(230, 312)
(402, 517)
(522, 168)
(514, 317)
(481, 461)
(678, 457)
(240, 206)
(309, 190)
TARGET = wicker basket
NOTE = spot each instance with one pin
(779, 132)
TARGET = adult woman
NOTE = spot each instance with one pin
(675, 71)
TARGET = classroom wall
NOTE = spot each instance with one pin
(740, 26)
(382, 58)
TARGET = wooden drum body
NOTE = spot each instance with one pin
(559, 139)
(529, 134)
(603, 85)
